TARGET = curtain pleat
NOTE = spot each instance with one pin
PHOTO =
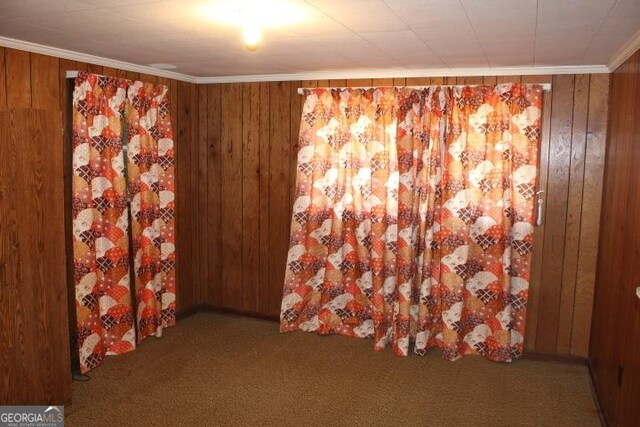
(443, 235)
(100, 225)
(151, 184)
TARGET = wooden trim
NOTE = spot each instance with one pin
(91, 59)
(625, 52)
(592, 385)
(553, 357)
(183, 314)
(402, 74)
(207, 308)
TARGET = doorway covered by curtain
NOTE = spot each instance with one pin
(413, 217)
(122, 214)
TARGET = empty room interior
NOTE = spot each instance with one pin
(320, 212)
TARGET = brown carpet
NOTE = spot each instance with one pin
(217, 370)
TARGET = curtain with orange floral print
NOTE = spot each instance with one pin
(341, 265)
(104, 185)
(100, 225)
(459, 255)
(151, 184)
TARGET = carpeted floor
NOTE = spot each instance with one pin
(217, 370)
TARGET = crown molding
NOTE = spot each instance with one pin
(625, 52)
(318, 75)
(92, 59)
(407, 72)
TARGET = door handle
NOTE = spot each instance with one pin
(539, 207)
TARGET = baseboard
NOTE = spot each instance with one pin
(183, 314)
(601, 415)
(553, 357)
(246, 313)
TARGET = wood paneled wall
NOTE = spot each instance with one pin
(615, 337)
(247, 150)
(31, 81)
(34, 360)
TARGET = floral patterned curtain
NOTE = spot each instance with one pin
(459, 256)
(151, 185)
(342, 258)
(101, 223)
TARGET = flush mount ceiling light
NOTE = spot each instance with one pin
(255, 15)
(251, 37)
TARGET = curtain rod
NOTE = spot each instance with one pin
(545, 87)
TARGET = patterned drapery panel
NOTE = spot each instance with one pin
(100, 225)
(457, 229)
(341, 264)
(151, 186)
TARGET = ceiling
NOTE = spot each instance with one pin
(335, 35)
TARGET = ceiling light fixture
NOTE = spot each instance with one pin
(255, 15)
(251, 37)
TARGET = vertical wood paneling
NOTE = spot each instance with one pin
(64, 65)
(83, 66)
(338, 83)
(533, 79)
(556, 213)
(629, 305)
(231, 140)
(148, 78)
(203, 191)
(418, 81)
(510, 79)
(591, 202)
(173, 92)
(111, 72)
(18, 78)
(132, 75)
(9, 278)
(213, 292)
(490, 80)
(358, 83)
(95, 69)
(250, 194)
(3, 79)
(472, 80)
(184, 203)
(382, 82)
(194, 201)
(279, 211)
(45, 85)
(605, 349)
(574, 212)
(538, 232)
(295, 102)
(613, 348)
(264, 119)
(33, 308)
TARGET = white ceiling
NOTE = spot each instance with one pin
(337, 34)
